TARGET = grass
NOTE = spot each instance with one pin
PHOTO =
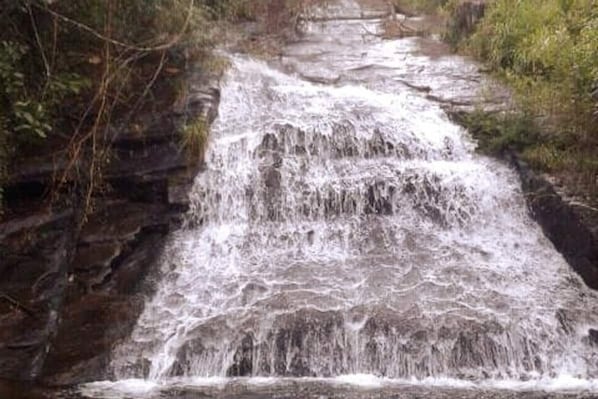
(215, 64)
(195, 138)
(500, 132)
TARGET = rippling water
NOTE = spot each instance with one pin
(345, 231)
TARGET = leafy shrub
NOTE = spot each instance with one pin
(547, 49)
(70, 67)
(497, 133)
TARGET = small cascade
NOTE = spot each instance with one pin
(350, 228)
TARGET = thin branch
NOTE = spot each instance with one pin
(128, 46)
(582, 205)
(17, 304)
(39, 42)
(151, 82)
(54, 42)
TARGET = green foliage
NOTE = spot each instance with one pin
(547, 49)
(230, 9)
(275, 16)
(54, 57)
(28, 108)
(461, 20)
(215, 64)
(19, 112)
(13, 80)
(497, 133)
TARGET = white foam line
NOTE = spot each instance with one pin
(144, 388)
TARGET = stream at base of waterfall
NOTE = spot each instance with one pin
(345, 240)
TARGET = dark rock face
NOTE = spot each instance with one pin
(67, 296)
(33, 278)
(573, 232)
(88, 329)
(465, 17)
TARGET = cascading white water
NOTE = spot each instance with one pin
(348, 227)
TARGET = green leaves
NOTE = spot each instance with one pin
(31, 118)
(19, 112)
(29, 110)
(548, 51)
(62, 86)
(11, 78)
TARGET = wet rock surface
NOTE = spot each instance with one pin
(67, 296)
(294, 339)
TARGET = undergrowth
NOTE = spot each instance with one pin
(500, 132)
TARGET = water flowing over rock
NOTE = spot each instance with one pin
(349, 228)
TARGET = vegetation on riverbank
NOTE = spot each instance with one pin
(547, 52)
(72, 70)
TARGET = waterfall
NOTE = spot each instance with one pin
(344, 225)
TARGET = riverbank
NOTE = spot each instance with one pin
(545, 52)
